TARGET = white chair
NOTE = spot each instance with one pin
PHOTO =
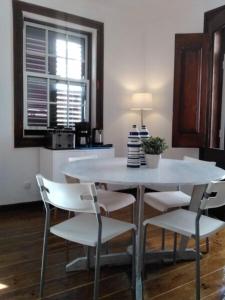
(187, 189)
(194, 224)
(108, 200)
(165, 201)
(88, 227)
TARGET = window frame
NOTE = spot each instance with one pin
(19, 8)
(86, 80)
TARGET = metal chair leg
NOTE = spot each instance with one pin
(144, 247)
(133, 259)
(134, 213)
(198, 283)
(44, 252)
(207, 239)
(197, 249)
(97, 271)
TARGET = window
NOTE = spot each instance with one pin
(56, 80)
(58, 70)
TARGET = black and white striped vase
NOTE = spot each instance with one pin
(133, 147)
(144, 133)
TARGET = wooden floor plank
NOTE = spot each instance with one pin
(21, 234)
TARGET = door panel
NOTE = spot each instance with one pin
(190, 90)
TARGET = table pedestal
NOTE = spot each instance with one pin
(115, 259)
(125, 258)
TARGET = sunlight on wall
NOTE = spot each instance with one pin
(156, 85)
(131, 82)
(131, 86)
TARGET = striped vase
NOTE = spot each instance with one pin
(133, 147)
(144, 133)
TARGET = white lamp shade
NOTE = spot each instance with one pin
(141, 101)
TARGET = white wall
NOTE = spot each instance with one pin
(16, 165)
(139, 50)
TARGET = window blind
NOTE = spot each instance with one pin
(57, 88)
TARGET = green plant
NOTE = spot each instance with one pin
(154, 145)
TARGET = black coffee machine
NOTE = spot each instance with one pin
(83, 134)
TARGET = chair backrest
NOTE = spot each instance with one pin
(70, 179)
(214, 195)
(213, 163)
(79, 197)
(188, 188)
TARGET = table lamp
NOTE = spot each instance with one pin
(141, 102)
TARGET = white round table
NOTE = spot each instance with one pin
(170, 172)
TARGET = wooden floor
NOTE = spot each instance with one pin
(21, 231)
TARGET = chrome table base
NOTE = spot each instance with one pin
(124, 258)
(115, 259)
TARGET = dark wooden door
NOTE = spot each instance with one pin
(190, 90)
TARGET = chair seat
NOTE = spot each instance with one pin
(163, 201)
(183, 222)
(112, 201)
(83, 229)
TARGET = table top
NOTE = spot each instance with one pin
(169, 172)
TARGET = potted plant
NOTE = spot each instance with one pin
(153, 147)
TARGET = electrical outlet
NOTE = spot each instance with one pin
(27, 185)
